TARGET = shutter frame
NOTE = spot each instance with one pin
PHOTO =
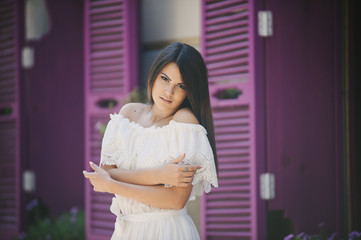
(110, 73)
(9, 123)
(230, 212)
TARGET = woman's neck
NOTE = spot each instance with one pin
(156, 115)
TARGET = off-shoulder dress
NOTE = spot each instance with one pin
(129, 145)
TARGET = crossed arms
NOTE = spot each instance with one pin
(146, 185)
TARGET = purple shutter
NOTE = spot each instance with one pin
(9, 122)
(229, 212)
(110, 73)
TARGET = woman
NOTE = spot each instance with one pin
(156, 157)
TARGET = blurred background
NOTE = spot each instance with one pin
(283, 83)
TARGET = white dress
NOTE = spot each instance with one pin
(129, 145)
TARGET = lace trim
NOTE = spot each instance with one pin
(204, 178)
(109, 159)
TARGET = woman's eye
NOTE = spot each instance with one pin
(164, 78)
(182, 86)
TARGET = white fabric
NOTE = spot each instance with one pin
(129, 145)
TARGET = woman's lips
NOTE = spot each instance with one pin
(166, 100)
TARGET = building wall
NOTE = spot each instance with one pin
(303, 95)
(53, 109)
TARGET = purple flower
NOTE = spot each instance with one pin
(321, 225)
(354, 234)
(289, 237)
(74, 211)
(22, 235)
(32, 204)
(47, 237)
(332, 236)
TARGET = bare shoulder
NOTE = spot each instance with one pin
(185, 115)
(132, 110)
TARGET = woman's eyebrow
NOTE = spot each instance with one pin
(166, 76)
(170, 78)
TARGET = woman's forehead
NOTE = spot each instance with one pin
(171, 70)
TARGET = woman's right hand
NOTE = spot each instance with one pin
(177, 175)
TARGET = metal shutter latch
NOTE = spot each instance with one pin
(268, 186)
(265, 25)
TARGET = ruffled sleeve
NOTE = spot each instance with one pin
(109, 151)
(192, 140)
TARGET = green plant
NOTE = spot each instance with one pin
(229, 93)
(322, 235)
(69, 225)
(136, 95)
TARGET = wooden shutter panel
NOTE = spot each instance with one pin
(229, 212)
(9, 122)
(110, 73)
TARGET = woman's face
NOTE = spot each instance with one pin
(168, 91)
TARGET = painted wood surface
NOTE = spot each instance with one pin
(229, 212)
(110, 74)
(9, 122)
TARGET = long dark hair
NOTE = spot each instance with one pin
(194, 74)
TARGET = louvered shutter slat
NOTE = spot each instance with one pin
(6, 42)
(107, 54)
(230, 235)
(233, 174)
(107, 12)
(228, 48)
(227, 25)
(8, 175)
(9, 124)
(104, 31)
(227, 54)
(227, 33)
(105, 3)
(239, 16)
(226, 8)
(232, 180)
(109, 57)
(229, 71)
(105, 38)
(212, 4)
(229, 219)
(217, 40)
(106, 62)
(225, 211)
(101, 220)
(109, 23)
(229, 210)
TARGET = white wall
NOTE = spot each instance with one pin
(169, 20)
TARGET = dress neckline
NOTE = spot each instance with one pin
(171, 123)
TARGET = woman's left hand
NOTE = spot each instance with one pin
(99, 178)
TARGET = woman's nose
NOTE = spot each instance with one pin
(169, 90)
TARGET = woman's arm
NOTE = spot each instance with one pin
(157, 196)
(170, 174)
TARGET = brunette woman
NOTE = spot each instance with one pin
(156, 157)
